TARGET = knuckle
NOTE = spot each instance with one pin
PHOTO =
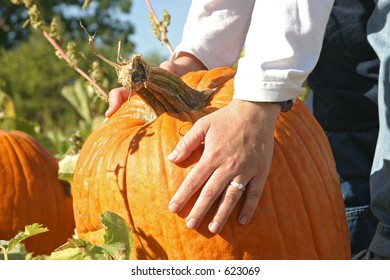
(232, 164)
(191, 184)
(253, 195)
(248, 210)
(183, 144)
(209, 194)
(231, 197)
(213, 158)
(200, 122)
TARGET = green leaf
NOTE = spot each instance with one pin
(66, 167)
(77, 249)
(77, 96)
(117, 230)
(118, 243)
(33, 229)
(29, 231)
(116, 251)
(13, 245)
(118, 240)
(7, 106)
(18, 252)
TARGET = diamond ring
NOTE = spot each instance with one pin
(239, 186)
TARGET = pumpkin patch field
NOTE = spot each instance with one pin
(115, 204)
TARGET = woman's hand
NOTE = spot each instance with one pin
(238, 146)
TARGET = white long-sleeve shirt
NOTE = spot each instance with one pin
(283, 40)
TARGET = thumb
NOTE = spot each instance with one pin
(116, 98)
(190, 142)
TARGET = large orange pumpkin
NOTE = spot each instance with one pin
(30, 192)
(123, 167)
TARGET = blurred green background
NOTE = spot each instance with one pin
(42, 94)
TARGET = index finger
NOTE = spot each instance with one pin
(195, 179)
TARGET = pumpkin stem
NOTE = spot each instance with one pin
(159, 88)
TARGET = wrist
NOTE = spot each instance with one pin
(285, 106)
(255, 111)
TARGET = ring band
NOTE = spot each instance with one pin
(239, 186)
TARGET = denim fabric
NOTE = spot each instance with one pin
(351, 100)
(345, 91)
(344, 81)
(354, 153)
(379, 37)
(362, 226)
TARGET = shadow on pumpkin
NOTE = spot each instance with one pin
(151, 242)
(142, 132)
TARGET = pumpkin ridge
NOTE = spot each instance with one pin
(164, 171)
(137, 231)
(277, 200)
(330, 192)
(158, 147)
(120, 181)
(287, 158)
(322, 148)
(15, 159)
(306, 120)
(325, 148)
(127, 144)
(275, 207)
(9, 172)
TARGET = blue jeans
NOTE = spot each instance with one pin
(351, 100)
(354, 153)
(378, 29)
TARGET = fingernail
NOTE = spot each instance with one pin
(192, 223)
(173, 155)
(214, 228)
(243, 220)
(173, 207)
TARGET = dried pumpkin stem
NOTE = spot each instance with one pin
(159, 88)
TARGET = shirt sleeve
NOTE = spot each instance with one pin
(282, 47)
(215, 31)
